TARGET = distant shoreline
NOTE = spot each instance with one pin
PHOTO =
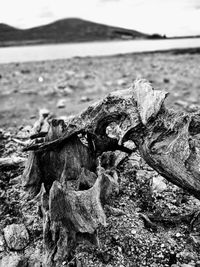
(42, 42)
(54, 42)
(43, 52)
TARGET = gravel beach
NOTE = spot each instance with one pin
(66, 87)
(76, 82)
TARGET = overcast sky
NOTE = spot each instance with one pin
(170, 17)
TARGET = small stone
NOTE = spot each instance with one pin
(120, 249)
(61, 103)
(158, 184)
(181, 103)
(166, 80)
(33, 116)
(178, 235)
(25, 71)
(85, 99)
(44, 112)
(16, 236)
(40, 79)
(121, 82)
(133, 232)
(192, 108)
(69, 72)
(67, 91)
(108, 83)
(115, 237)
(16, 73)
(176, 94)
(197, 264)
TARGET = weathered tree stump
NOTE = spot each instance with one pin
(70, 151)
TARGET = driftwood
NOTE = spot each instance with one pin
(168, 141)
(70, 216)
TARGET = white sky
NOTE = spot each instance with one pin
(170, 17)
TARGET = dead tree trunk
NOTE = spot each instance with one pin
(168, 141)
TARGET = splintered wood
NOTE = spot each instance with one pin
(72, 150)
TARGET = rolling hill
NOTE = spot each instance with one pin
(67, 30)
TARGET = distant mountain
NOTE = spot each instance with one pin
(67, 30)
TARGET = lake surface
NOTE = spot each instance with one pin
(60, 51)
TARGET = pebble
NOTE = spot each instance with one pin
(120, 249)
(67, 91)
(166, 80)
(121, 82)
(176, 94)
(61, 103)
(64, 89)
(158, 184)
(108, 83)
(133, 232)
(33, 116)
(69, 72)
(116, 237)
(181, 103)
(85, 99)
(193, 108)
(25, 71)
(16, 236)
(40, 79)
(178, 235)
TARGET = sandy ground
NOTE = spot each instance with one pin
(25, 87)
(126, 241)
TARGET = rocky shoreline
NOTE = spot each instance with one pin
(66, 87)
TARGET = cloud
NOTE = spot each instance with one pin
(170, 17)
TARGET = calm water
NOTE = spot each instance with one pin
(58, 51)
